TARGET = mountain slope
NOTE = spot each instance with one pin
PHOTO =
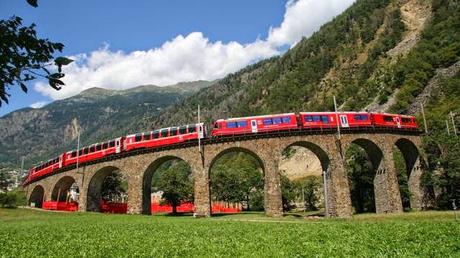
(378, 55)
(39, 134)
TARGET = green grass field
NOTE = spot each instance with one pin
(25, 232)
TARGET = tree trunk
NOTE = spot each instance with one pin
(174, 208)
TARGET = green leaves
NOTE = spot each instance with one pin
(26, 56)
(62, 61)
(23, 87)
(55, 83)
(33, 3)
(174, 179)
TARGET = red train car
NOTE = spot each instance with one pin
(394, 121)
(94, 151)
(327, 120)
(254, 124)
(164, 136)
(45, 168)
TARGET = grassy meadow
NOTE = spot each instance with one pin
(32, 233)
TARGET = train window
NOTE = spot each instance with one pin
(191, 128)
(183, 130)
(231, 125)
(172, 131)
(156, 134)
(308, 118)
(105, 145)
(98, 147)
(80, 152)
(146, 136)
(242, 124)
(316, 118)
(277, 120)
(387, 118)
(286, 120)
(361, 117)
(267, 121)
(325, 119)
(138, 137)
(164, 133)
(216, 125)
(74, 154)
(112, 143)
(406, 120)
(92, 148)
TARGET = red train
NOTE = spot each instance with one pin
(254, 124)
(224, 128)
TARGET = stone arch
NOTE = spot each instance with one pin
(95, 187)
(148, 176)
(414, 167)
(373, 151)
(237, 149)
(37, 196)
(262, 169)
(324, 161)
(386, 191)
(316, 149)
(61, 188)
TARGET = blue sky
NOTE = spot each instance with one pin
(120, 44)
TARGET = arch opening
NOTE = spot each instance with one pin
(37, 197)
(237, 182)
(65, 190)
(302, 183)
(168, 187)
(409, 167)
(365, 169)
(108, 191)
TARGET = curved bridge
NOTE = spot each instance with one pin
(138, 169)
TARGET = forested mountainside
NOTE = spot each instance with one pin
(39, 134)
(378, 55)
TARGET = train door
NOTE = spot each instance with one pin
(200, 131)
(118, 145)
(61, 160)
(398, 121)
(254, 126)
(344, 120)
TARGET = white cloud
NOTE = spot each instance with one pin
(191, 57)
(39, 104)
(303, 17)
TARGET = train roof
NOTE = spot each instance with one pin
(93, 144)
(159, 129)
(388, 114)
(250, 117)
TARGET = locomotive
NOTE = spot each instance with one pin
(224, 128)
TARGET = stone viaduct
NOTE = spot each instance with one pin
(328, 148)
